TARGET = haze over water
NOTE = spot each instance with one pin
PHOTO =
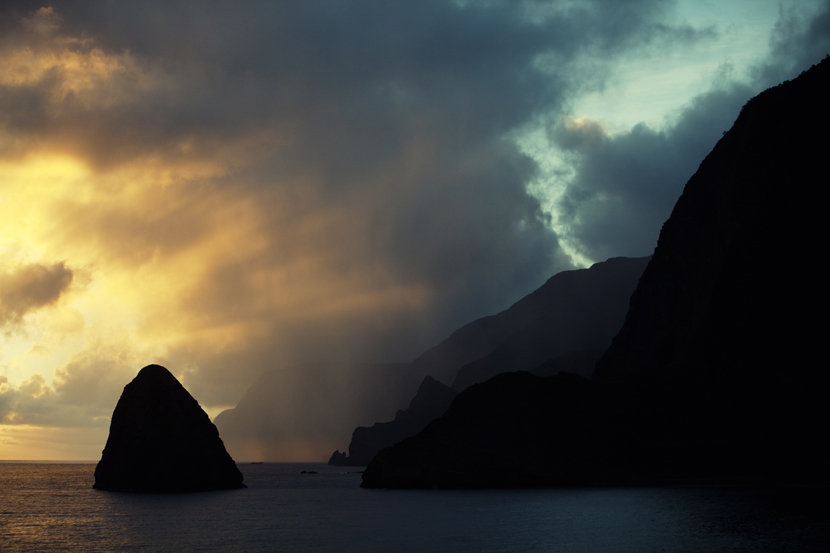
(52, 507)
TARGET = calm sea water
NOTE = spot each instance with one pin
(52, 507)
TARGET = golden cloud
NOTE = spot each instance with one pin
(176, 249)
(574, 133)
(224, 221)
(74, 73)
(30, 287)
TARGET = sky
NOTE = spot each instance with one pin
(232, 188)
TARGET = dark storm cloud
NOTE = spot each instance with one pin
(347, 81)
(337, 178)
(798, 41)
(624, 187)
(392, 115)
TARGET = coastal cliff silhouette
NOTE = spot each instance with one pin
(564, 325)
(715, 376)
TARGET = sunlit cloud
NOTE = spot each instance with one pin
(311, 183)
(30, 287)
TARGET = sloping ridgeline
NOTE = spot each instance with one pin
(564, 325)
(716, 375)
(432, 400)
(572, 311)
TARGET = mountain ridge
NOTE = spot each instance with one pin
(572, 313)
(714, 376)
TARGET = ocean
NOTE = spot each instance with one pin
(52, 507)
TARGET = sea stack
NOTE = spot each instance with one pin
(161, 440)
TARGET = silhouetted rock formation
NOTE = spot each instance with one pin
(732, 276)
(161, 440)
(573, 310)
(520, 430)
(568, 322)
(432, 400)
(575, 362)
(577, 310)
(338, 459)
(714, 376)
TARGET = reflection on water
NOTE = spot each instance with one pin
(52, 507)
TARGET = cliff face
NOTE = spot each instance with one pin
(577, 310)
(162, 441)
(714, 377)
(520, 430)
(567, 323)
(432, 400)
(573, 310)
(732, 280)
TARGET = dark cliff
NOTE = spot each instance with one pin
(161, 440)
(518, 430)
(715, 376)
(732, 281)
(564, 325)
(573, 310)
(576, 311)
(432, 400)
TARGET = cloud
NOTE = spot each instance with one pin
(799, 40)
(30, 401)
(620, 188)
(249, 187)
(315, 181)
(83, 392)
(573, 133)
(30, 287)
(624, 187)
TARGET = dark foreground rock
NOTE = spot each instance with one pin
(162, 441)
(716, 375)
(518, 430)
(576, 362)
